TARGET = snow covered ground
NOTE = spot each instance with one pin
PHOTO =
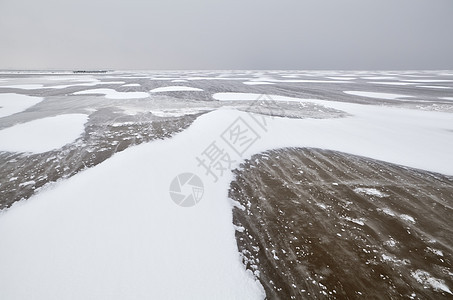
(113, 232)
(43, 135)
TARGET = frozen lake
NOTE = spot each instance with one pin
(226, 184)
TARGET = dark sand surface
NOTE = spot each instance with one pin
(318, 224)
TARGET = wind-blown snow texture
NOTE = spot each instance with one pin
(113, 232)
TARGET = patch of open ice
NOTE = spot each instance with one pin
(112, 94)
(375, 95)
(176, 88)
(13, 103)
(43, 134)
(428, 280)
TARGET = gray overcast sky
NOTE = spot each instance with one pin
(233, 34)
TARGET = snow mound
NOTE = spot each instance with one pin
(42, 135)
(14, 103)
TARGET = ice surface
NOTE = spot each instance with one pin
(434, 87)
(43, 134)
(112, 231)
(428, 80)
(257, 82)
(375, 95)
(112, 94)
(176, 88)
(250, 97)
(24, 86)
(392, 82)
(14, 103)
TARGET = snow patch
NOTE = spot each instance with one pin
(112, 94)
(433, 87)
(370, 192)
(428, 280)
(42, 135)
(175, 88)
(257, 82)
(14, 103)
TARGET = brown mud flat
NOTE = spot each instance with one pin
(21, 174)
(319, 224)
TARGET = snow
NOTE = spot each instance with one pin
(43, 134)
(370, 192)
(176, 88)
(307, 81)
(434, 87)
(257, 82)
(428, 280)
(428, 80)
(24, 86)
(380, 77)
(131, 84)
(407, 218)
(13, 103)
(342, 78)
(178, 112)
(375, 95)
(112, 231)
(92, 82)
(392, 82)
(446, 98)
(250, 97)
(112, 94)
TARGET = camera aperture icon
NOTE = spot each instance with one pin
(186, 189)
